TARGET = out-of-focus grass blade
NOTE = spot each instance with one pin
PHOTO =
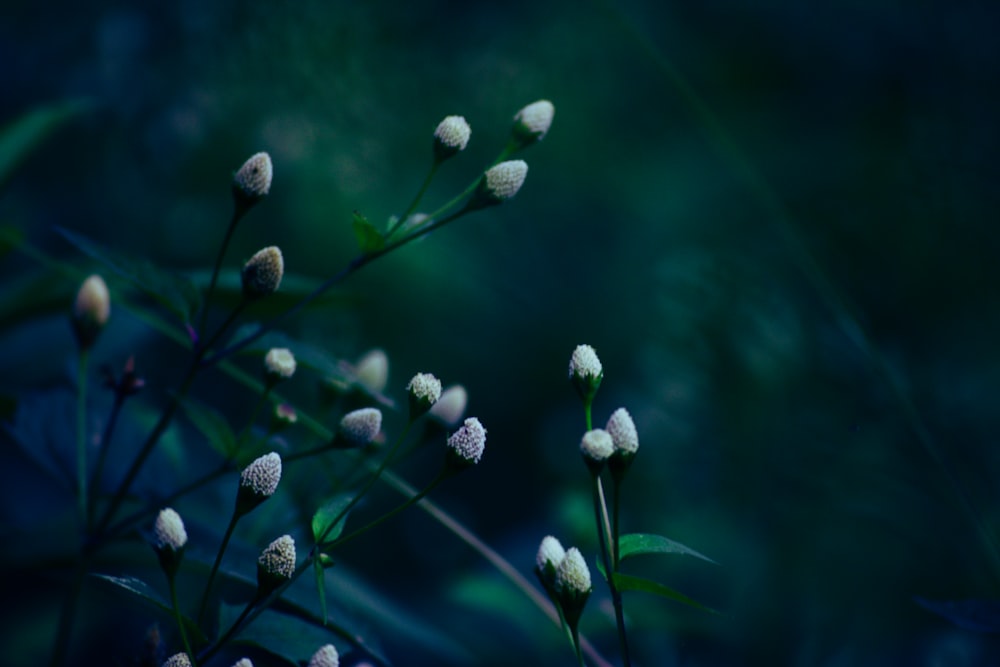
(24, 134)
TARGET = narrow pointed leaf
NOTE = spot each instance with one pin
(143, 592)
(627, 582)
(369, 238)
(637, 544)
(326, 515)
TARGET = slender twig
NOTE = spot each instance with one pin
(215, 566)
(416, 200)
(172, 580)
(81, 434)
(237, 214)
(102, 455)
(603, 536)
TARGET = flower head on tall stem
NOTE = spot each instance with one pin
(275, 565)
(358, 428)
(91, 310)
(258, 482)
(585, 372)
(626, 440)
(596, 447)
(169, 539)
(550, 555)
(466, 445)
(177, 660)
(279, 364)
(424, 391)
(252, 181)
(262, 274)
(450, 137)
(498, 184)
(532, 123)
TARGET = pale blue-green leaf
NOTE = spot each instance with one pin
(627, 582)
(143, 592)
(637, 544)
(323, 528)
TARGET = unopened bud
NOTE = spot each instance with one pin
(532, 122)
(326, 656)
(466, 445)
(450, 137)
(276, 564)
(424, 391)
(263, 272)
(252, 181)
(91, 310)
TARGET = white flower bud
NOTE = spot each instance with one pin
(450, 408)
(361, 426)
(451, 136)
(326, 656)
(533, 121)
(585, 372)
(262, 273)
(261, 477)
(597, 445)
(177, 660)
(91, 310)
(622, 430)
(252, 181)
(279, 363)
(243, 662)
(424, 390)
(469, 441)
(169, 530)
(502, 181)
(550, 554)
(372, 370)
(278, 558)
(573, 575)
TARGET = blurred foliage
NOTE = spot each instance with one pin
(770, 219)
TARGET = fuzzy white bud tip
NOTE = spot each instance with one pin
(452, 135)
(93, 301)
(450, 408)
(262, 475)
(169, 530)
(280, 363)
(326, 656)
(177, 660)
(263, 272)
(425, 388)
(550, 552)
(584, 363)
(597, 445)
(573, 575)
(361, 426)
(534, 120)
(253, 179)
(278, 558)
(622, 430)
(504, 180)
(372, 370)
(469, 441)
(243, 662)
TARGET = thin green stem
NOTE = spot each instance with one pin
(603, 534)
(416, 200)
(615, 534)
(237, 214)
(172, 581)
(412, 500)
(575, 637)
(367, 487)
(215, 566)
(102, 455)
(241, 439)
(81, 434)
(245, 615)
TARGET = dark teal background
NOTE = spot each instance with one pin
(775, 222)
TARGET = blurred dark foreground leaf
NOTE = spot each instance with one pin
(975, 615)
(25, 133)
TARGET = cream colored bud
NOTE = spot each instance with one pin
(573, 575)
(168, 530)
(177, 660)
(261, 477)
(533, 121)
(622, 430)
(372, 370)
(450, 408)
(278, 558)
(279, 363)
(424, 390)
(597, 445)
(550, 554)
(584, 363)
(326, 656)
(502, 181)
(243, 662)
(91, 310)
(252, 181)
(263, 272)
(361, 426)
(451, 136)
(469, 442)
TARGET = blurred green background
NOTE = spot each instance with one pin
(771, 220)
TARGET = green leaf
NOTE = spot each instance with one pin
(174, 292)
(326, 515)
(25, 133)
(320, 588)
(212, 425)
(10, 237)
(627, 582)
(369, 238)
(284, 635)
(637, 544)
(143, 592)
